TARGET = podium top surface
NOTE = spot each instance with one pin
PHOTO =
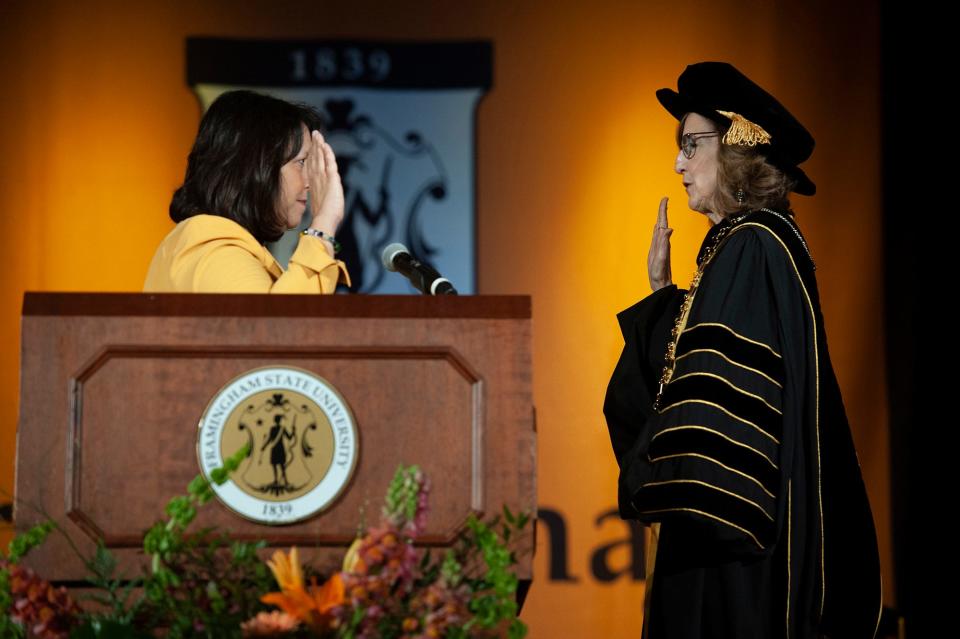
(264, 305)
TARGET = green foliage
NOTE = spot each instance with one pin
(8, 629)
(25, 542)
(165, 539)
(403, 494)
(200, 584)
(203, 584)
(493, 602)
(115, 594)
(207, 586)
(451, 570)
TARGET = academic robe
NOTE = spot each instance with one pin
(747, 463)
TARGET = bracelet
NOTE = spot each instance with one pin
(323, 236)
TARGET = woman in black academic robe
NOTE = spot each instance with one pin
(724, 412)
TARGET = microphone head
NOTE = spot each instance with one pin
(391, 252)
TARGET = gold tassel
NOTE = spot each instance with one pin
(743, 131)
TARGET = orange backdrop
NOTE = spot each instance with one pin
(574, 154)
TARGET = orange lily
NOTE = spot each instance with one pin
(329, 595)
(286, 569)
(310, 607)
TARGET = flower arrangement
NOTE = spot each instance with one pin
(202, 584)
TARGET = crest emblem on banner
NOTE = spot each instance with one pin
(302, 439)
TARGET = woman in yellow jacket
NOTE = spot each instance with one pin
(253, 162)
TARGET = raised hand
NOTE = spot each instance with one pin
(658, 258)
(326, 190)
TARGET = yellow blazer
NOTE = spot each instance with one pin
(212, 254)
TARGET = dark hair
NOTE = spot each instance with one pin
(741, 167)
(233, 170)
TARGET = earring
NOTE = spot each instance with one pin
(741, 196)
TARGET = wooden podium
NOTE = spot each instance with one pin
(113, 387)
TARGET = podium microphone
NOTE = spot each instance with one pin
(424, 277)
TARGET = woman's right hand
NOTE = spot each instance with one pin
(658, 258)
(326, 190)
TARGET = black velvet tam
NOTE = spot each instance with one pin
(709, 87)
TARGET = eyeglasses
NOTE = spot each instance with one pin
(688, 142)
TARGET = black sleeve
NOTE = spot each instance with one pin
(629, 401)
(712, 466)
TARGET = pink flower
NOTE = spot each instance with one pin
(267, 624)
(49, 612)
